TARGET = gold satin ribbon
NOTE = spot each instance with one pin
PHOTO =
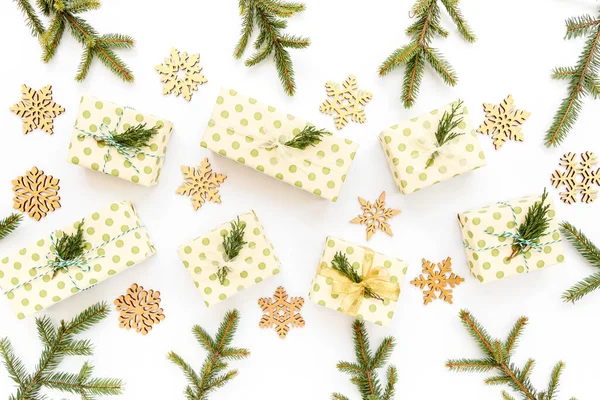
(376, 279)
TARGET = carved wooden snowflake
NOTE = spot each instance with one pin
(348, 102)
(503, 122)
(437, 281)
(578, 177)
(139, 309)
(36, 194)
(280, 313)
(201, 184)
(375, 216)
(37, 109)
(181, 74)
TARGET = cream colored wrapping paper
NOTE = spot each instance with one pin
(116, 241)
(408, 146)
(203, 256)
(488, 252)
(240, 127)
(97, 118)
(370, 309)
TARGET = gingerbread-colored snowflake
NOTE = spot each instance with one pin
(36, 194)
(201, 184)
(139, 309)
(503, 122)
(437, 281)
(280, 313)
(578, 177)
(348, 102)
(375, 216)
(181, 74)
(37, 109)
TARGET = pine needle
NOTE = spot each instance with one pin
(591, 253)
(9, 224)
(310, 136)
(232, 245)
(135, 137)
(536, 224)
(445, 130)
(341, 264)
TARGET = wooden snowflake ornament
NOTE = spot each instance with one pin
(139, 309)
(437, 281)
(201, 184)
(347, 102)
(503, 122)
(578, 177)
(37, 109)
(280, 313)
(181, 74)
(36, 194)
(375, 216)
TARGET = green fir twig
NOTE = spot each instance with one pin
(498, 357)
(270, 18)
(445, 131)
(591, 253)
(70, 246)
(135, 137)
(536, 224)
(310, 136)
(418, 52)
(211, 376)
(9, 224)
(341, 264)
(233, 243)
(60, 342)
(364, 370)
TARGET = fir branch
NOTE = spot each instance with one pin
(535, 225)
(60, 343)
(135, 137)
(445, 130)
(310, 136)
(591, 253)
(233, 243)
(9, 224)
(70, 246)
(364, 371)
(583, 78)
(427, 14)
(341, 264)
(269, 16)
(202, 384)
(498, 358)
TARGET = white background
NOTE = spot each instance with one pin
(519, 42)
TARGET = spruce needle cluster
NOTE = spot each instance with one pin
(498, 357)
(270, 18)
(364, 370)
(310, 136)
(9, 224)
(445, 130)
(415, 55)
(70, 246)
(535, 225)
(60, 342)
(64, 14)
(583, 79)
(341, 264)
(135, 137)
(232, 245)
(212, 375)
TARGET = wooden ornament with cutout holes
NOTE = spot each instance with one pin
(280, 313)
(37, 109)
(36, 194)
(139, 309)
(375, 216)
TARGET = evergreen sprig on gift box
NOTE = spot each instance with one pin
(418, 52)
(9, 224)
(583, 78)
(60, 343)
(497, 358)
(591, 253)
(364, 370)
(65, 13)
(270, 18)
(233, 243)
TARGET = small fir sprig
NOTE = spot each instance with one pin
(341, 264)
(70, 246)
(583, 78)
(135, 137)
(497, 358)
(535, 225)
(445, 130)
(419, 51)
(65, 13)
(60, 342)
(232, 245)
(9, 224)
(270, 18)
(591, 253)
(310, 136)
(364, 370)
(220, 353)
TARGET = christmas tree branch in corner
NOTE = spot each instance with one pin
(9, 224)
(60, 343)
(219, 351)
(497, 357)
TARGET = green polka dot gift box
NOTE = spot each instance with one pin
(490, 232)
(36, 277)
(205, 256)
(373, 293)
(258, 136)
(93, 143)
(409, 146)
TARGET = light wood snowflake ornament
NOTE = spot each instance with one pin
(201, 184)
(280, 313)
(578, 177)
(503, 122)
(36, 194)
(436, 282)
(37, 109)
(347, 102)
(181, 74)
(375, 216)
(139, 309)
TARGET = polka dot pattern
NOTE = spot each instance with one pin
(87, 152)
(407, 156)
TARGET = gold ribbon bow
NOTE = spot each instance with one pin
(374, 279)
